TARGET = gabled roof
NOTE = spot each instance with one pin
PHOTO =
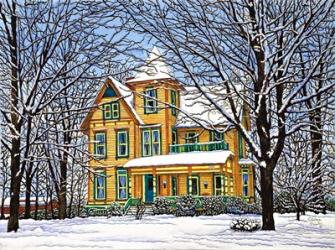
(122, 91)
(154, 68)
(197, 110)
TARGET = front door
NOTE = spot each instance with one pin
(149, 188)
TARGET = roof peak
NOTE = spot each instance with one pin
(154, 68)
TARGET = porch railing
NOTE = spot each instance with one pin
(193, 147)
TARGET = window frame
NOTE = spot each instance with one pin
(99, 174)
(154, 108)
(187, 138)
(118, 155)
(151, 143)
(112, 108)
(173, 97)
(122, 172)
(221, 189)
(175, 135)
(190, 185)
(213, 136)
(231, 185)
(96, 145)
(245, 172)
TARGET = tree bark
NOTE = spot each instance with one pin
(62, 190)
(27, 209)
(267, 199)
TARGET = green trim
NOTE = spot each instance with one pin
(245, 172)
(112, 109)
(122, 172)
(187, 137)
(190, 184)
(173, 96)
(145, 100)
(222, 184)
(213, 137)
(240, 145)
(104, 156)
(174, 131)
(104, 183)
(151, 142)
(117, 155)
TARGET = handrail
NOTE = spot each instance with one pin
(203, 146)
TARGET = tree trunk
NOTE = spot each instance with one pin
(27, 209)
(267, 199)
(62, 191)
(298, 213)
(2, 216)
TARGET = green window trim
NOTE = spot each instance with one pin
(122, 175)
(226, 185)
(120, 144)
(100, 179)
(151, 142)
(245, 183)
(240, 145)
(220, 190)
(216, 136)
(100, 145)
(150, 101)
(173, 96)
(174, 139)
(190, 136)
(111, 111)
(189, 185)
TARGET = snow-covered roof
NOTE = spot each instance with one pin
(194, 104)
(128, 97)
(193, 158)
(154, 68)
(246, 162)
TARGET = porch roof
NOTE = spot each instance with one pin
(193, 158)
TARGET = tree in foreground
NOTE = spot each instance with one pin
(265, 54)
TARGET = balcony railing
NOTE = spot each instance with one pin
(193, 147)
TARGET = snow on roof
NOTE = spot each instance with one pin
(193, 103)
(155, 68)
(246, 162)
(193, 158)
(128, 97)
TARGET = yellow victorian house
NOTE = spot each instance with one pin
(151, 136)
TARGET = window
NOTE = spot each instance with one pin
(100, 185)
(155, 142)
(122, 184)
(173, 94)
(245, 182)
(146, 143)
(150, 102)
(191, 137)
(174, 137)
(216, 136)
(226, 185)
(194, 185)
(174, 185)
(100, 145)
(240, 145)
(231, 185)
(151, 142)
(122, 144)
(219, 185)
(111, 111)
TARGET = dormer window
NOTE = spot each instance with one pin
(150, 101)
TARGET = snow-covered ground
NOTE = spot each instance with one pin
(168, 232)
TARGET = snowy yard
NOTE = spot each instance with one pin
(168, 232)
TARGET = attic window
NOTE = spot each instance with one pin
(109, 92)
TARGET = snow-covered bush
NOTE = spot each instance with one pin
(330, 203)
(236, 205)
(245, 224)
(185, 206)
(162, 205)
(115, 209)
(212, 205)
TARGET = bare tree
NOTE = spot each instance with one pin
(33, 35)
(253, 50)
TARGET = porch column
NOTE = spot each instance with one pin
(154, 184)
